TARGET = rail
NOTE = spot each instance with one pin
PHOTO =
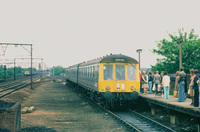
(8, 89)
(133, 120)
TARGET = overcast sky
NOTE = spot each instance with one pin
(67, 32)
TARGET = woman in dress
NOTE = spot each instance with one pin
(144, 80)
(176, 84)
(190, 85)
(196, 89)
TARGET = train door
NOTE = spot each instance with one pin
(120, 78)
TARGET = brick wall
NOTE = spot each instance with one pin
(10, 118)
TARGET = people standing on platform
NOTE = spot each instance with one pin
(150, 82)
(161, 75)
(141, 89)
(191, 85)
(144, 79)
(153, 84)
(166, 83)
(196, 88)
(199, 89)
(186, 87)
(176, 81)
(157, 80)
(181, 81)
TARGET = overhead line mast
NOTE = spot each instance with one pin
(22, 45)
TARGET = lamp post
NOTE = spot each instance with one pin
(139, 51)
(179, 41)
(180, 56)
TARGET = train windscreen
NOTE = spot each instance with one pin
(108, 72)
(131, 72)
(120, 72)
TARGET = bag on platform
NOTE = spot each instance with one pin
(159, 87)
(154, 87)
(175, 93)
(188, 91)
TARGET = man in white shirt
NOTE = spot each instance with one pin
(166, 83)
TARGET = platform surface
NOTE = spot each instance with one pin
(173, 104)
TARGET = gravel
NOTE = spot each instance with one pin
(60, 109)
(37, 129)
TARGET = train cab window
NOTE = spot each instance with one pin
(131, 72)
(120, 72)
(108, 72)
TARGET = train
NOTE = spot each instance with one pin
(26, 73)
(112, 80)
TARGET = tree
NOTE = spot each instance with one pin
(57, 70)
(169, 49)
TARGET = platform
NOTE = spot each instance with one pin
(173, 104)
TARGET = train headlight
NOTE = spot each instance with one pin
(107, 88)
(122, 86)
(133, 88)
(118, 85)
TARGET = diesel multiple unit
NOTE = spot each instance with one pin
(111, 80)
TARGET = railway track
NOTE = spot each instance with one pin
(2, 81)
(140, 122)
(13, 82)
(134, 121)
(9, 88)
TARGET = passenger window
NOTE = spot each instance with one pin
(131, 72)
(93, 72)
(120, 72)
(108, 72)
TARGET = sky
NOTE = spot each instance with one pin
(67, 32)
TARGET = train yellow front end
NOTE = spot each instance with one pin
(26, 73)
(119, 81)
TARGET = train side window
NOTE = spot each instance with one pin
(93, 71)
(87, 71)
(90, 71)
(120, 72)
(81, 72)
(108, 72)
(131, 72)
(97, 71)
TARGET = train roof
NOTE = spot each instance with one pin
(118, 58)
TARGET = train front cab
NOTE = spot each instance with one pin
(119, 81)
(26, 73)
